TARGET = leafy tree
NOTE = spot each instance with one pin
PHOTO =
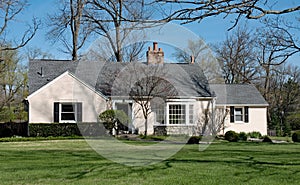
(13, 83)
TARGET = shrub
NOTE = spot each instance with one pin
(266, 139)
(243, 136)
(231, 136)
(194, 140)
(254, 134)
(114, 119)
(296, 136)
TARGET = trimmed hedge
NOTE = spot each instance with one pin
(13, 129)
(65, 129)
(296, 136)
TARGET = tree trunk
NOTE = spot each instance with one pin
(146, 126)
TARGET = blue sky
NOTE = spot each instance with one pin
(211, 30)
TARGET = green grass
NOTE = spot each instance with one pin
(74, 162)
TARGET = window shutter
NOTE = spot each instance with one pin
(56, 112)
(231, 114)
(246, 114)
(79, 112)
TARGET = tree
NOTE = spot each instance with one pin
(284, 97)
(115, 20)
(190, 10)
(237, 56)
(13, 83)
(275, 45)
(151, 87)
(9, 10)
(69, 21)
(211, 121)
(197, 51)
(144, 85)
(36, 53)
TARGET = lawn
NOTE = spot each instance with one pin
(74, 162)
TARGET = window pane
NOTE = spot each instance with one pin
(68, 116)
(238, 111)
(191, 114)
(238, 114)
(159, 110)
(238, 118)
(67, 108)
(177, 114)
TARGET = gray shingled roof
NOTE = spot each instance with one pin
(238, 94)
(188, 79)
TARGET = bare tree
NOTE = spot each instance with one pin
(283, 96)
(144, 85)
(36, 53)
(198, 52)
(211, 121)
(196, 49)
(237, 56)
(9, 10)
(151, 86)
(275, 45)
(190, 10)
(69, 21)
(115, 20)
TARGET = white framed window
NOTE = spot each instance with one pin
(238, 114)
(191, 114)
(67, 112)
(159, 110)
(177, 114)
(180, 113)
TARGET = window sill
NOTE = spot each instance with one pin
(239, 122)
(67, 121)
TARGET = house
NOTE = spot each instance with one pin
(178, 94)
(247, 108)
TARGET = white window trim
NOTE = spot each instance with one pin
(60, 112)
(187, 117)
(243, 115)
(155, 117)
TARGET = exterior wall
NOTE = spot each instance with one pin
(257, 122)
(65, 89)
(139, 121)
(170, 129)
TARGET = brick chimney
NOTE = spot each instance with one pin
(192, 61)
(155, 56)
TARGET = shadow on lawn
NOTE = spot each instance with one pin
(254, 164)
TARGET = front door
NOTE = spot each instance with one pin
(127, 108)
